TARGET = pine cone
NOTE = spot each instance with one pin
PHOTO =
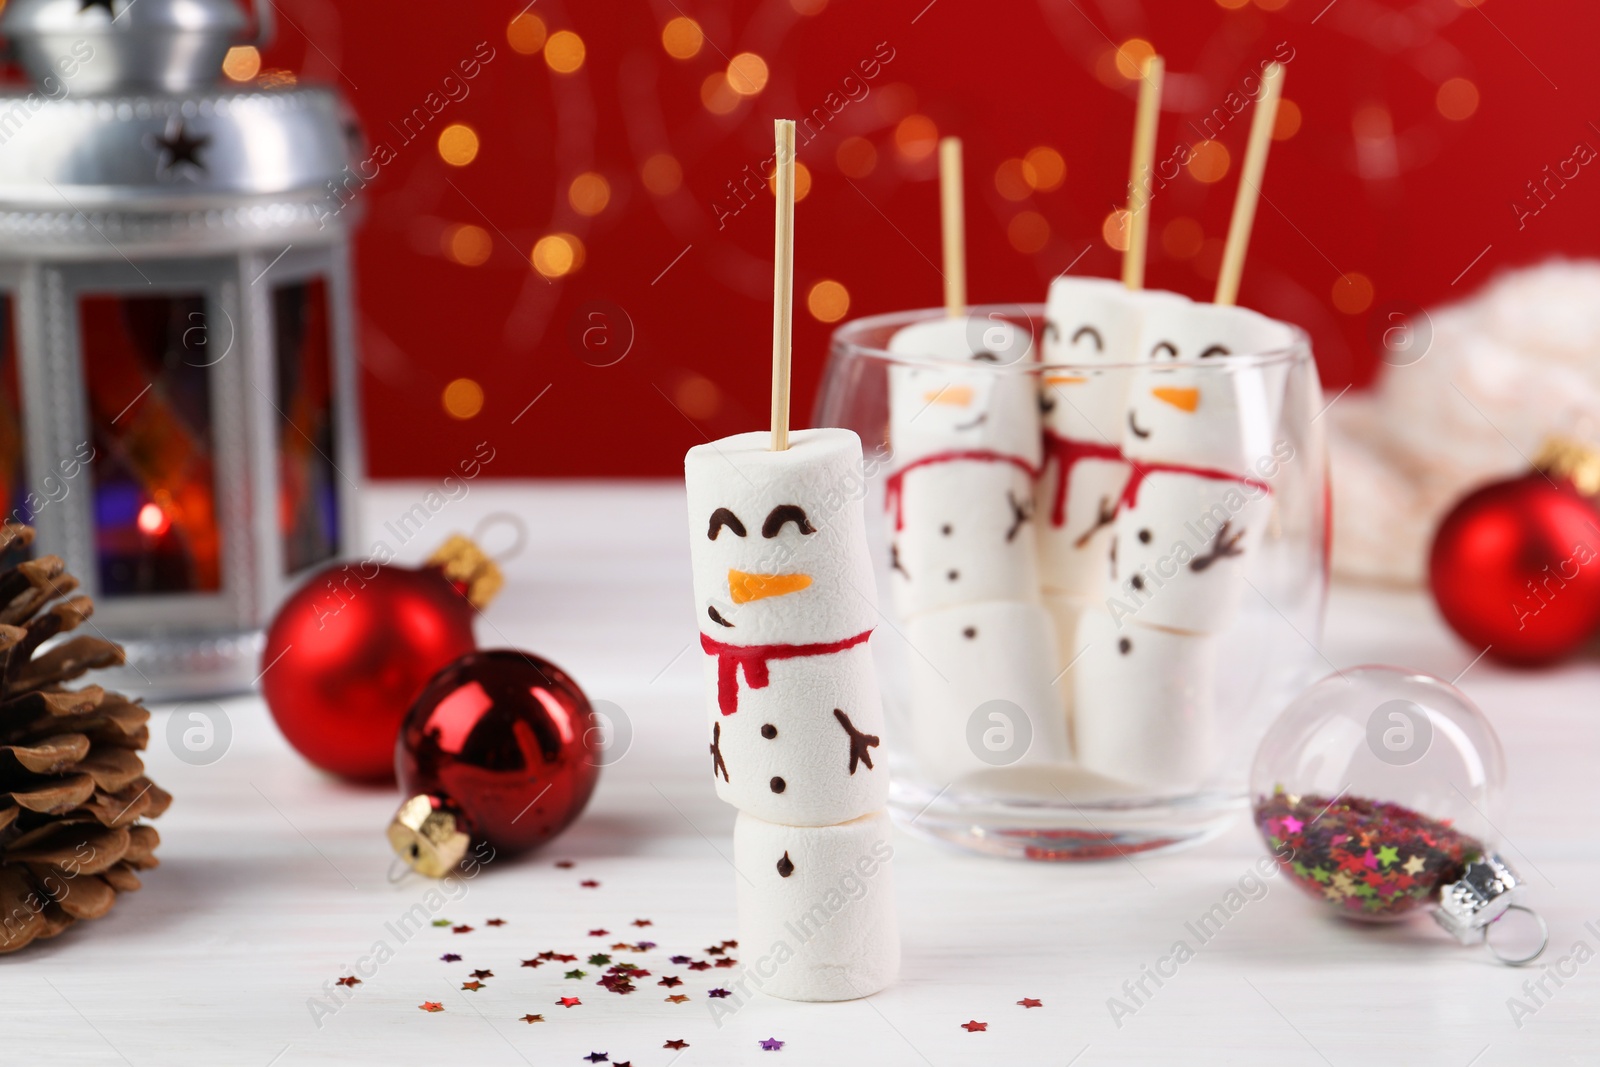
(72, 786)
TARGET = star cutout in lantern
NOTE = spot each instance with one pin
(431, 1005)
(180, 148)
(530, 1019)
(974, 1026)
(1030, 1002)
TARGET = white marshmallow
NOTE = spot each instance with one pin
(776, 583)
(1183, 547)
(967, 533)
(812, 770)
(1065, 611)
(816, 907)
(970, 393)
(982, 692)
(1194, 411)
(1075, 556)
(1143, 703)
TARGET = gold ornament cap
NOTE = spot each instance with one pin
(426, 832)
(1571, 458)
(463, 561)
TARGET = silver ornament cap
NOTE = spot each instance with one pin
(1484, 893)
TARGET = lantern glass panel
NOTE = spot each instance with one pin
(308, 490)
(150, 417)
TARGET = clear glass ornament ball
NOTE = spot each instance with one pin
(1376, 786)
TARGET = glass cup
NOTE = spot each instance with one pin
(1127, 721)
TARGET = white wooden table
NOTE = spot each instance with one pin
(273, 885)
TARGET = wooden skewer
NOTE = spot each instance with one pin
(782, 281)
(952, 220)
(1144, 153)
(1244, 202)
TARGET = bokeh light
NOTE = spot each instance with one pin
(242, 62)
(1044, 168)
(802, 181)
(458, 144)
(1209, 161)
(525, 33)
(1114, 230)
(1131, 55)
(662, 174)
(1028, 232)
(466, 244)
(717, 95)
(1287, 123)
(856, 157)
(808, 7)
(682, 37)
(462, 398)
(916, 138)
(1011, 182)
(747, 74)
(557, 254)
(589, 193)
(828, 301)
(697, 396)
(1182, 237)
(1352, 293)
(1457, 99)
(564, 51)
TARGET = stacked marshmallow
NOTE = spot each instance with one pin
(784, 588)
(964, 557)
(1191, 512)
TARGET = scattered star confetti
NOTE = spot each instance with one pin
(974, 1026)
(727, 961)
(431, 1005)
(679, 960)
(533, 1019)
(771, 1044)
(1029, 1002)
(730, 944)
(462, 929)
(483, 974)
(1347, 851)
(547, 955)
(717, 993)
(598, 933)
(472, 986)
(714, 950)
(589, 883)
(441, 922)
(676, 998)
(450, 957)
(574, 974)
(562, 958)
(495, 922)
(676, 1044)
(599, 959)
(670, 980)
(644, 946)
(350, 980)
(700, 965)
(565, 865)
(643, 922)
(535, 962)
(569, 1002)
(597, 1057)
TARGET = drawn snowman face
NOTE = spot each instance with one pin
(1090, 322)
(961, 404)
(777, 540)
(1182, 407)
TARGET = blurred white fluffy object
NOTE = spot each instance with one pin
(1506, 368)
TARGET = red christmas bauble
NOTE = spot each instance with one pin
(348, 653)
(501, 747)
(1515, 566)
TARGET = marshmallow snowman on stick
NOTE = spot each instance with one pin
(1191, 514)
(784, 594)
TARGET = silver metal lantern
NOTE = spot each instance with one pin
(178, 407)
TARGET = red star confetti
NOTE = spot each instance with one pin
(589, 883)
(483, 974)
(699, 965)
(547, 955)
(598, 933)
(727, 961)
(462, 929)
(530, 1019)
(717, 993)
(569, 1002)
(621, 946)
(676, 998)
(565, 865)
(535, 962)
(643, 922)
(472, 986)
(563, 959)
(676, 1044)
(714, 950)
(670, 980)
(450, 957)
(730, 944)
(1029, 1002)
(771, 1044)
(974, 1026)
(431, 1005)
(350, 980)
(495, 922)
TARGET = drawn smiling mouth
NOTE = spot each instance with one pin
(979, 421)
(1134, 426)
(717, 618)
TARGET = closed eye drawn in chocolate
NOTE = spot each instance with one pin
(786, 513)
(723, 517)
(985, 357)
(1215, 350)
(1090, 331)
(1171, 350)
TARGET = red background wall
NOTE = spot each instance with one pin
(1375, 182)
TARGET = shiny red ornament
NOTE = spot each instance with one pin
(348, 653)
(501, 747)
(1515, 566)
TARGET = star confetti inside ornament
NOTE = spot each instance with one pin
(1029, 1002)
(482, 974)
(569, 1002)
(450, 957)
(530, 1019)
(676, 1044)
(771, 1044)
(974, 1026)
(677, 998)
(431, 1005)
(350, 980)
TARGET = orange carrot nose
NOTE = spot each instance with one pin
(1064, 379)
(1182, 399)
(958, 396)
(747, 587)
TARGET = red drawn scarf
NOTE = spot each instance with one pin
(893, 486)
(755, 658)
(1141, 471)
(1067, 451)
